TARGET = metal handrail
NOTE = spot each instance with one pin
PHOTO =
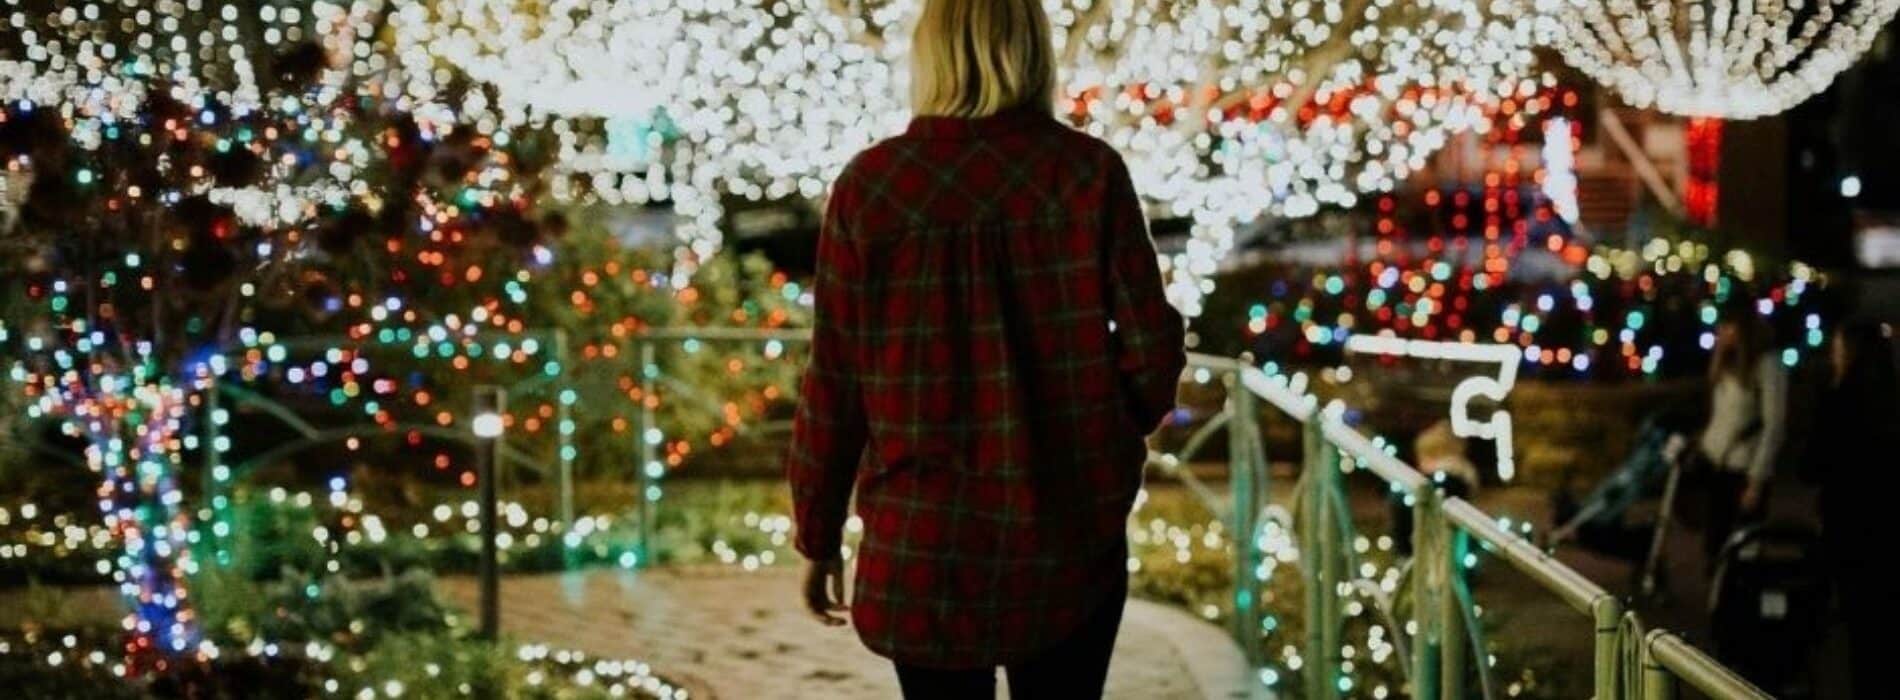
(1667, 658)
(1582, 594)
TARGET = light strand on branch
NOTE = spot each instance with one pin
(1727, 58)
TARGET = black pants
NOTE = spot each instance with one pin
(1075, 668)
(1724, 490)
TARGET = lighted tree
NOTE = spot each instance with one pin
(195, 182)
(1228, 111)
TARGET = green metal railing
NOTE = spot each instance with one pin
(218, 394)
(647, 434)
(1445, 634)
(1668, 660)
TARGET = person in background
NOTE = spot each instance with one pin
(1748, 421)
(1440, 456)
(992, 345)
(1851, 457)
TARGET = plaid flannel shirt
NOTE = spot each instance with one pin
(991, 346)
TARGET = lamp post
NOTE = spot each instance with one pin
(490, 401)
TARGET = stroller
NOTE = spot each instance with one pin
(1601, 521)
(1768, 605)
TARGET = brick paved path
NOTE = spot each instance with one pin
(738, 635)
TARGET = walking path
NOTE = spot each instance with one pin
(735, 634)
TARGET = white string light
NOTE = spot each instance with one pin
(1560, 169)
(1227, 110)
(1733, 59)
(1494, 388)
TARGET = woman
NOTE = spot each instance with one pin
(1747, 425)
(992, 343)
(1850, 455)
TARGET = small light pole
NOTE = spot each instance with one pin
(490, 401)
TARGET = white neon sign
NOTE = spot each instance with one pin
(1493, 387)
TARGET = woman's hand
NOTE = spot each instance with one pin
(824, 590)
(1751, 496)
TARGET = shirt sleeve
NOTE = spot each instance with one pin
(1148, 333)
(828, 431)
(1773, 395)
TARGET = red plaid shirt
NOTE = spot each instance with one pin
(992, 344)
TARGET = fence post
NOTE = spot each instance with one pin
(1427, 589)
(1607, 613)
(650, 467)
(1658, 682)
(564, 431)
(1452, 656)
(1242, 476)
(490, 402)
(214, 476)
(1320, 546)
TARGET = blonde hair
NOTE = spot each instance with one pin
(974, 58)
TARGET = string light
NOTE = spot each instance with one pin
(1727, 59)
(340, 675)
(1227, 113)
(1445, 268)
(221, 159)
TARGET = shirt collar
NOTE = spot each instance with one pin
(1012, 120)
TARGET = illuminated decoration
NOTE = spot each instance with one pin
(1728, 60)
(553, 671)
(180, 201)
(1225, 114)
(1506, 357)
(1449, 263)
(1621, 314)
(1560, 168)
(1700, 191)
(128, 421)
(13, 189)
